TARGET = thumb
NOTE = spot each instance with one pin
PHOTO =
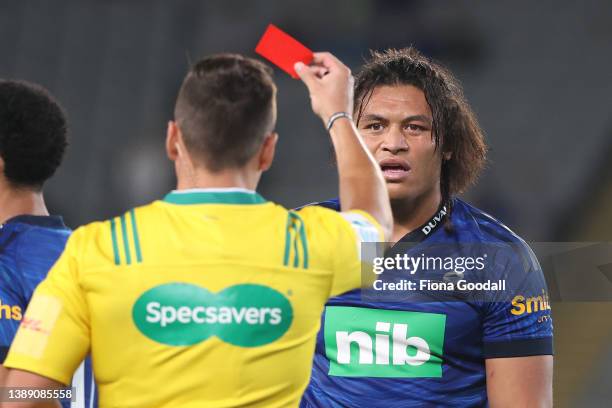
(305, 74)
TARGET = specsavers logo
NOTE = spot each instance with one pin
(363, 342)
(181, 314)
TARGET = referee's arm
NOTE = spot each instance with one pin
(362, 186)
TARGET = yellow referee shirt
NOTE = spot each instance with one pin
(209, 298)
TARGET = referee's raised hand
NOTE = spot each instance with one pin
(361, 183)
(329, 83)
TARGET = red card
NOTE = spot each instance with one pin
(283, 50)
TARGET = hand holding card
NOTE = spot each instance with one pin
(329, 81)
(331, 92)
(283, 50)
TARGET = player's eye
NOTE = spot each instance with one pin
(375, 127)
(414, 128)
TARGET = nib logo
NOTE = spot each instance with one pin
(399, 348)
(362, 342)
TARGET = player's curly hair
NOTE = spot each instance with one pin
(33, 133)
(455, 128)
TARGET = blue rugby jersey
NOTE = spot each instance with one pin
(389, 352)
(29, 246)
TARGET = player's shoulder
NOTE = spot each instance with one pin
(9, 240)
(481, 226)
(333, 204)
(30, 230)
(325, 215)
(357, 221)
(475, 226)
(34, 240)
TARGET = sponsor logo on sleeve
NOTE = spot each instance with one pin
(36, 326)
(538, 305)
(10, 312)
(531, 304)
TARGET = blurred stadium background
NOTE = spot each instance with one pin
(538, 75)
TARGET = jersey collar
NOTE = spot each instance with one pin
(431, 225)
(420, 233)
(214, 196)
(47, 221)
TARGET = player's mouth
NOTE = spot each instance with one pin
(394, 169)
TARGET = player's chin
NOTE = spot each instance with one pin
(398, 190)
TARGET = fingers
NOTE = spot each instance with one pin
(327, 59)
(319, 71)
(307, 74)
(322, 64)
(329, 83)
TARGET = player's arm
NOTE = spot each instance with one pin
(518, 335)
(520, 381)
(10, 297)
(53, 337)
(24, 379)
(362, 186)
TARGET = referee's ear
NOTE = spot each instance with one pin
(172, 139)
(266, 153)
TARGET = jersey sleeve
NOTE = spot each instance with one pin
(12, 305)
(340, 243)
(355, 228)
(518, 322)
(53, 337)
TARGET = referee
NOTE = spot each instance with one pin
(212, 296)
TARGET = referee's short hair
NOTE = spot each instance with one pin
(225, 107)
(455, 128)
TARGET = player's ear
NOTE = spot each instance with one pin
(447, 156)
(172, 136)
(266, 155)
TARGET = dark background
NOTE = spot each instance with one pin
(538, 75)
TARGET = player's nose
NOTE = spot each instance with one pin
(394, 141)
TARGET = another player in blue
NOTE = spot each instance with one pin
(33, 139)
(377, 349)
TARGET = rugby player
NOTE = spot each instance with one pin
(33, 138)
(392, 353)
(212, 296)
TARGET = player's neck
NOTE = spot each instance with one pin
(223, 179)
(408, 215)
(18, 201)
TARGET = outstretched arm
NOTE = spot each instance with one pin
(362, 186)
